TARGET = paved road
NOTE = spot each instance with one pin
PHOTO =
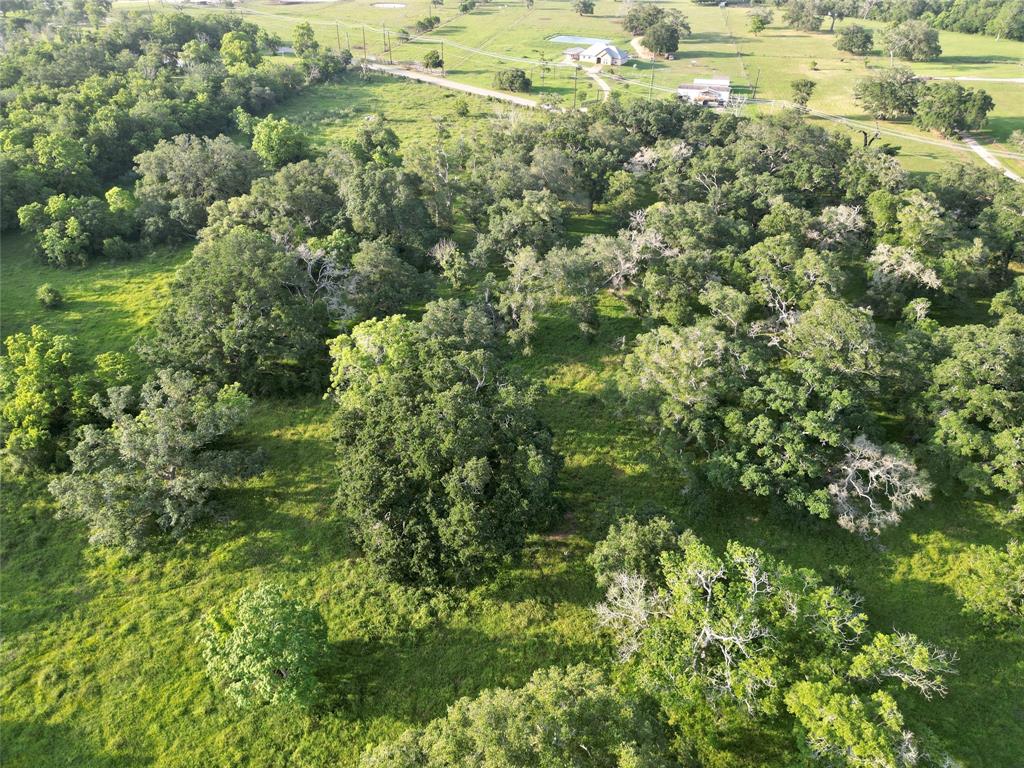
(989, 158)
(444, 82)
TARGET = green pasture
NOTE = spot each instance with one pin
(721, 46)
(100, 666)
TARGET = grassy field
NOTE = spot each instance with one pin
(101, 668)
(491, 37)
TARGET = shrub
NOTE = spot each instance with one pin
(267, 650)
(634, 547)
(49, 296)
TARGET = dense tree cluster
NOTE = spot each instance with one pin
(756, 662)
(782, 280)
(999, 18)
(81, 106)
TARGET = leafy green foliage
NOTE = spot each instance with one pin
(569, 718)
(46, 390)
(662, 38)
(432, 60)
(948, 107)
(242, 309)
(855, 39)
(444, 466)
(976, 398)
(512, 80)
(49, 297)
(279, 142)
(743, 643)
(632, 546)
(182, 177)
(911, 41)
(69, 231)
(266, 649)
(994, 587)
(154, 468)
(535, 221)
(892, 94)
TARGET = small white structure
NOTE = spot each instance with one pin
(706, 92)
(604, 53)
(573, 54)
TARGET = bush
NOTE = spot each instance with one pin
(49, 296)
(267, 650)
(116, 249)
(632, 547)
(512, 80)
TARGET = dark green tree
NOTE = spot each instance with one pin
(242, 309)
(444, 466)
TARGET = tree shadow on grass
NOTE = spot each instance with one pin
(416, 680)
(30, 744)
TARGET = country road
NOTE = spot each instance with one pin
(594, 73)
(444, 82)
(988, 157)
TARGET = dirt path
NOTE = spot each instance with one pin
(989, 158)
(444, 82)
(594, 73)
(641, 52)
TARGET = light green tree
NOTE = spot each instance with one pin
(266, 649)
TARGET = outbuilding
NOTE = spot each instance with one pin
(706, 92)
(604, 53)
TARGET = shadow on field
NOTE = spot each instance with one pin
(416, 681)
(27, 744)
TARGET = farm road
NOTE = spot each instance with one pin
(444, 82)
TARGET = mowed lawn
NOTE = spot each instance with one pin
(101, 665)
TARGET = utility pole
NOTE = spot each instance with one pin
(575, 78)
(364, 47)
(650, 91)
(337, 35)
(384, 37)
(443, 73)
(348, 42)
(757, 77)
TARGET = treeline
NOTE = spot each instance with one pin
(999, 18)
(79, 107)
